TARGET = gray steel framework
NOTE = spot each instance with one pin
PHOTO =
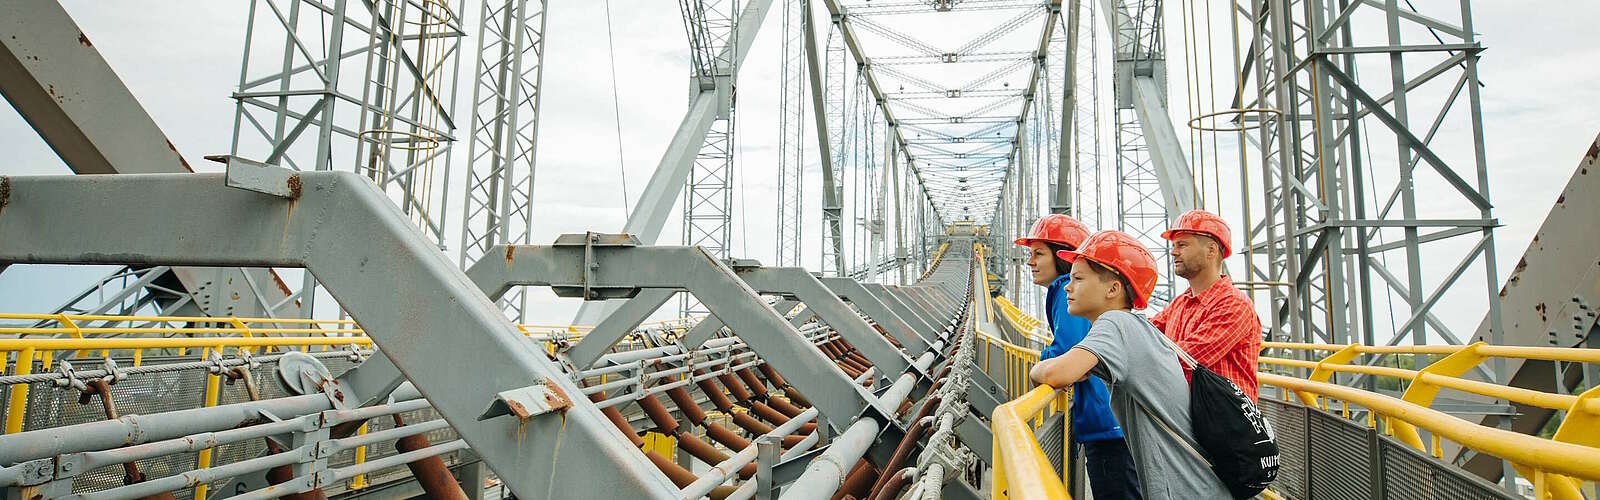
(233, 227)
(502, 153)
(791, 137)
(834, 262)
(1364, 173)
(1154, 183)
(1087, 152)
(381, 105)
(1342, 168)
(102, 129)
(708, 100)
(708, 192)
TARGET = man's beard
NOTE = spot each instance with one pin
(1184, 272)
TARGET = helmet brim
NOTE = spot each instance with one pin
(1071, 256)
(1173, 234)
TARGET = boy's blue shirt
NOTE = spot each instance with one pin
(1091, 402)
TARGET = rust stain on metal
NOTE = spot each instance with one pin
(294, 187)
(5, 191)
(517, 409)
(510, 251)
(1594, 151)
(84, 40)
(557, 399)
(1540, 307)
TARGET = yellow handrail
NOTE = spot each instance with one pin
(1543, 456)
(1020, 467)
(1579, 427)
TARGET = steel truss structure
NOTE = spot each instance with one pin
(928, 320)
(1338, 236)
(708, 193)
(381, 105)
(505, 132)
(791, 134)
(1362, 197)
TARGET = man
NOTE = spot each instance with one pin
(1106, 458)
(1112, 275)
(1212, 321)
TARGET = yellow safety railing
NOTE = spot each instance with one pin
(1020, 468)
(1547, 462)
(136, 336)
(1017, 360)
(1555, 466)
(1030, 327)
(935, 262)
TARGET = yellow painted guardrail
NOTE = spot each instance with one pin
(135, 335)
(1555, 466)
(1581, 427)
(1030, 327)
(1017, 360)
(1020, 468)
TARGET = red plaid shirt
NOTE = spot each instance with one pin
(1219, 329)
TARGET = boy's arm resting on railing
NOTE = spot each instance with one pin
(1064, 370)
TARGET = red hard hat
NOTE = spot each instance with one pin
(1206, 223)
(1123, 254)
(1058, 229)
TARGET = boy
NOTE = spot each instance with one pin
(1106, 458)
(1113, 274)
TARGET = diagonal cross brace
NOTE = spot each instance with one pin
(618, 325)
(710, 325)
(417, 306)
(800, 284)
(919, 321)
(898, 327)
(616, 271)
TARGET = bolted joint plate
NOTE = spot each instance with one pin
(588, 242)
(527, 402)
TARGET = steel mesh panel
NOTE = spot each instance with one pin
(1339, 468)
(1406, 476)
(152, 393)
(1051, 440)
(52, 406)
(1289, 427)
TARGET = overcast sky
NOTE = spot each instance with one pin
(181, 59)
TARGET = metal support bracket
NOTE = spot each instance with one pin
(251, 175)
(527, 402)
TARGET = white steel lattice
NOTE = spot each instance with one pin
(505, 125)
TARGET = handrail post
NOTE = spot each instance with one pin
(1422, 391)
(18, 404)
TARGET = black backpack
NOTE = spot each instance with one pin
(1228, 426)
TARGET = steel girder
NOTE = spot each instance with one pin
(60, 84)
(52, 74)
(610, 266)
(875, 308)
(422, 311)
(821, 95)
